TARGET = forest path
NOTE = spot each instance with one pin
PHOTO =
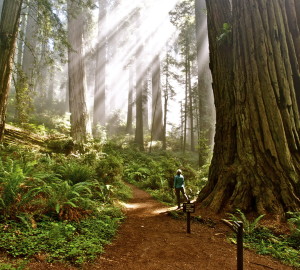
(149, 239)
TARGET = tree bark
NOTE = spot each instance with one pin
(10, 16)
(293, 18)
(80, 128)
(255, 166)
(214, 194)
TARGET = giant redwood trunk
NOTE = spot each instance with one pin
(255, 166)
(9, 19)
(80, 128)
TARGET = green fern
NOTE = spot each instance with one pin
(76, 172)
(249, 226)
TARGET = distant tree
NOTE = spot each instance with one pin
(129, 128)
(80, 124)
(100, 74)
(168, 89)
(140, 74)
(27, 66)
(157, 112)
(145, 98)
(255, 165)
(183, 17)
(9, 23)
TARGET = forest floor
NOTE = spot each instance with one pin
(150, 239)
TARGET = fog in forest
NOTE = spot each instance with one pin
(122, 41)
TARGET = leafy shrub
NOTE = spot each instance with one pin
(61, 145)
(109, 169)
(76, 172)
(69, 202)
(18, 188)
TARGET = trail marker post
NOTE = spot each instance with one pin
(238, 228)
(188, 208)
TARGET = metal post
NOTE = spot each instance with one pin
(188, 220)
(240, 246)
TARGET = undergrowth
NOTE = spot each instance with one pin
(264, 241)
(58, 207)
(75, 242)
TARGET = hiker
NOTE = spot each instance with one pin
(179, 187)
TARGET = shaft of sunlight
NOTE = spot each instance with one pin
(152, 34)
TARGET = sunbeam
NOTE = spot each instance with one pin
(150, 34)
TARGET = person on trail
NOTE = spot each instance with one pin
(179, 187)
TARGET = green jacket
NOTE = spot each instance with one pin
(178, 181)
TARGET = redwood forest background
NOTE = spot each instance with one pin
(95, 94)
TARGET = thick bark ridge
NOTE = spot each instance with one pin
(259, 171)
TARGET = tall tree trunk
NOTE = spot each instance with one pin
(140, 74)
(77, 81)
(191, 114)
(157, 113)
(25, 84)
(145, 97)
(185, 121)
(139, 129)
(28, 63)
(221, 64)
(50, 92)
(166, 99)
(100, 74)
(292, 7)
(130, 101)
(261, 169)
(9, 22)
(182, 129)
(1, 5)
(164, 140)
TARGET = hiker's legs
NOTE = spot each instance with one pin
(184, 194)
(177, 192)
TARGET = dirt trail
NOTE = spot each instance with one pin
(150, 240)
